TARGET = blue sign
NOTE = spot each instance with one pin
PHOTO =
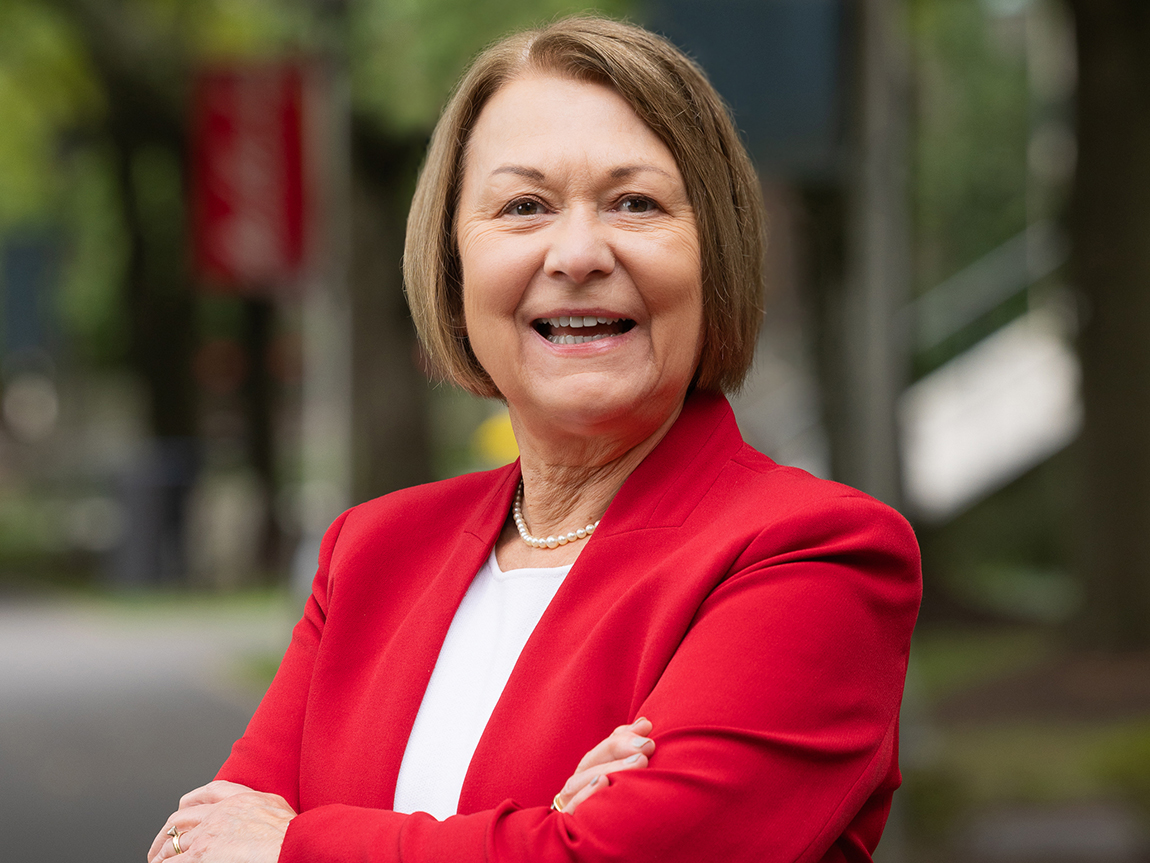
(781, 65)
(28, 269)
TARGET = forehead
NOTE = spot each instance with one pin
(546, 116)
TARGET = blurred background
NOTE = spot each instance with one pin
(205, 356)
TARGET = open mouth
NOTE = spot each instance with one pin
(580, 329)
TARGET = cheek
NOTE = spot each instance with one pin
(486, 304)
(493, 275)
(684, 305)
(477, 292)
(674, 267)
(476, 322)
(486, 314)
(677, 289)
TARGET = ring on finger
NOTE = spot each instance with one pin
(175, 834)
(557, 803)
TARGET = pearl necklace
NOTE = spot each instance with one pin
(550, 541)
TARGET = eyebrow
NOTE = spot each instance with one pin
(519, 170)
(629, 170)
(619, 173)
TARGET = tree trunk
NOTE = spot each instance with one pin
(259, 404)
(1110, 264)
(390, 393)
(159, 308)
(158, 299)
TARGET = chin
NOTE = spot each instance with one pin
(607, 410)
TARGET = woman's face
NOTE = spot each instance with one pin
(582, 285)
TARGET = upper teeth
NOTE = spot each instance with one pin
(580, 321)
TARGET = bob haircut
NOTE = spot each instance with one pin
(674, 98)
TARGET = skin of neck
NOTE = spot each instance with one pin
(569, 480)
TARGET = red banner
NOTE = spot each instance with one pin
(248, 188)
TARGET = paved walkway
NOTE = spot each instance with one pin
(110, 711)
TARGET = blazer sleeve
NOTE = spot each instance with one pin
(267, 756)
(775, 723)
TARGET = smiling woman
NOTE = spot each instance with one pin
(572, 210)
(643, 640)
(673, 100)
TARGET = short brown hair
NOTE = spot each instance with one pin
(674, 98)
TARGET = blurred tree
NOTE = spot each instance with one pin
(49, 175)
(141, 64)
(971, 130)
(968, 186)
(1110, 261)
(142, 73)
(45, 86)
(112, 78)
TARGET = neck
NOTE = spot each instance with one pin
(570, 484)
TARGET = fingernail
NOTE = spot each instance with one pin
(595, 781)
(639, 742)
(632, 759)
(640, 719)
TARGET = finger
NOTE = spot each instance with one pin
(180, 821)
(167, 848)
(186, 841)
(579, 782)
(213, 792)
(158, 843)
(600, 780)
(621, 743)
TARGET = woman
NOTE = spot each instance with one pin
(585, 243)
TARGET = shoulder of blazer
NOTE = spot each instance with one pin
(445, 505)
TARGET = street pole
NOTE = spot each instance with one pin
(877, 284)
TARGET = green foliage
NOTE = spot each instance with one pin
(88, 302)
(46, 89)
(933, 801)
(1030, 761)
(245, 28)
(1010, 554)
(1124, 764)
(962, 754)
(945, 661)
(407, 54)
(973, 118)
(56, 166)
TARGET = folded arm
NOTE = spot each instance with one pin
(775, 720)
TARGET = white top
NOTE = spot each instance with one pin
(487, 634)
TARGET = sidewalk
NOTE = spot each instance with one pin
(110, 710)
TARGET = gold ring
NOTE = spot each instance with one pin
(175, 834)
(557, 804)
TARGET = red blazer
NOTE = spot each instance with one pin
(759, 617)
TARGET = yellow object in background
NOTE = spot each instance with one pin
(494, 442)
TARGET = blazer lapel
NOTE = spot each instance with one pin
(560, 699)
(404, 668)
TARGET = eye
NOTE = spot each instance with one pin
(637, 204)
(524, 207)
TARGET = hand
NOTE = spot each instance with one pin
(627, 748)
(223, 822)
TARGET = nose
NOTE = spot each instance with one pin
(580, 247)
